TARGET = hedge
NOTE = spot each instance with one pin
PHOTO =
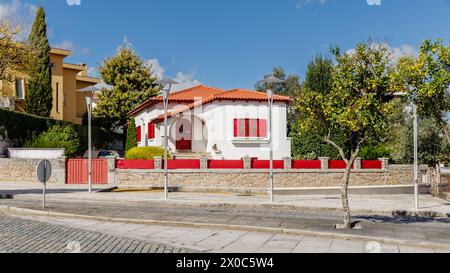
(147, 153)
(22, 128)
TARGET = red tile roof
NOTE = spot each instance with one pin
(201, 94)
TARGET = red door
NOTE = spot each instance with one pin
(184, 135)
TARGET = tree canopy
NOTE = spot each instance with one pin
(39, 97)
(358, 104)
(133, 84)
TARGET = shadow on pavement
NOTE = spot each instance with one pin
(401, 219)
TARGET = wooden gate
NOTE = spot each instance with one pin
(77, 171)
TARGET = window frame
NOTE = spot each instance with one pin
(22, 86)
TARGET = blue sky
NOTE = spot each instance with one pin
(233, 43)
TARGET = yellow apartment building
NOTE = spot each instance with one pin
(68, 104)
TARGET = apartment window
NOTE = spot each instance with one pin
(57, 97)
(151, 130)
(53, 67)
(20, 88)
(250, 128)
(138, 134)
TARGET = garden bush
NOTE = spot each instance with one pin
(148, 153)
(25, 130)
(58, 137)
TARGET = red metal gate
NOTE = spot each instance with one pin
(77, 171)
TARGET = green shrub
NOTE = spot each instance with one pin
(131, 136)
(58, 137)
(374, 152)
(148, 153)
(23, 128)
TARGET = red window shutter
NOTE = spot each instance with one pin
(151, 130)
(138, 134)
(262, 128)
(236, 127)
(247, 127)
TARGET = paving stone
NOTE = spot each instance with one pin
(31, 236)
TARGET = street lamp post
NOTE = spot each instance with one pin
(89, 100)
(269, 81)
(416, 150)
(416, 158)
(165, 94)
(90, 91)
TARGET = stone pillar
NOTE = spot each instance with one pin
(59, 170)
(158, 162)
(287, 163)
(384, 163)
(247, 162)
(357, 165)
(204, 163)
(111, 169)
(324, 162)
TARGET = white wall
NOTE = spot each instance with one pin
(219, 121)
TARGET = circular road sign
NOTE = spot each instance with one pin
(44, 171)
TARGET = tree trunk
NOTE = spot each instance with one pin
(435, 179)
(346, 180)
(344, 192)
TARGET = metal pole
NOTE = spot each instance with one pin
(166, 144)
(90, 146)
(271, 149)
(416, 160)
(44, 192)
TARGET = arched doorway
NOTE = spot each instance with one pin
(183, 134)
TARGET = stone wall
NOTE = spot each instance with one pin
(24, 170)
(257, 180)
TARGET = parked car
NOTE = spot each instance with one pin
(102, 154)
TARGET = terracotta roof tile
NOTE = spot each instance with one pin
(201, 94)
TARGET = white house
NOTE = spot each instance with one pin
(214, 122)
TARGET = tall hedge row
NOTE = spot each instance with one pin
(22, 128)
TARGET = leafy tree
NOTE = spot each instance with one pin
(131, 141)
(426, 79)
(39, 98)
(14, 56)
(290, 87)
(358, 104)
(133, 84)
(308, 144)
(432, 146)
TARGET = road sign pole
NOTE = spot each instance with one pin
(43, 195)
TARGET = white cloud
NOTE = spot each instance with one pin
(156, 68)
(396, 52)
(18, 13)
(374, 2)
(73, 2)
(69, 45)
(92, 72)
(186, 80)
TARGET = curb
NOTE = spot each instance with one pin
(29, 212)
(255, 205)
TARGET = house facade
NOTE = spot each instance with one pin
(68, 104)
(221, 124)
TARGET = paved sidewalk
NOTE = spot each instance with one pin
(27, 235)
(362, 204)
(399, 230)
(228, 241)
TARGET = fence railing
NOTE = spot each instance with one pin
(251, 163)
